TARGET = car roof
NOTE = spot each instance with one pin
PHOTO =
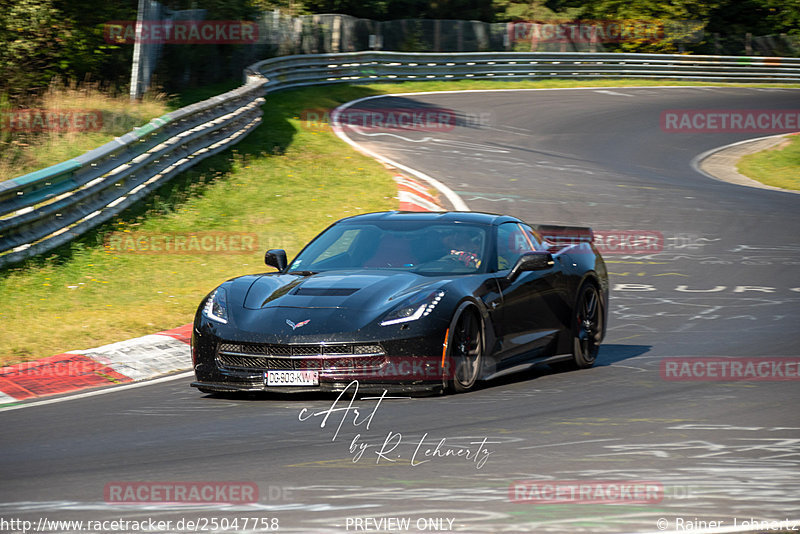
(474, 217)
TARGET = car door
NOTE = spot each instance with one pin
(532, 314)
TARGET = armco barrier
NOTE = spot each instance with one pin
(370, 67)
(47, 208)
(50, 207)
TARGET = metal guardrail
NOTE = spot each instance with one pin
(370, 67)
(48, 208)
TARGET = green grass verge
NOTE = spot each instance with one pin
(22, 153)
(778, 166)
(113, 115)
(285, 182)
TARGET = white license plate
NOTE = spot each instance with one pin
(293, 378)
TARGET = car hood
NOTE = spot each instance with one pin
(330, 306)
(362, 290)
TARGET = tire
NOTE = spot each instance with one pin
(587, 327)
(465, 352)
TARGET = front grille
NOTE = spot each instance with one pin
(263, 356)
(254, 362)
(275, 350)
(306, 350)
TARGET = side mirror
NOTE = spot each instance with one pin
(531, 261)
(276, 257)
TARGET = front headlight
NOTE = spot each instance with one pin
(216, 307)
(419, 306)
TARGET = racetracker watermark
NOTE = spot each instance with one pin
(182, 243)
(148, 524)
(51, 120)
(604, 31)
(379, 368)
(76, 366)
(181, 492)
(628, 241)
(405, 119)
(610, 241)
(730, 120)
(181, 32)
(715, 369)
(586, 492)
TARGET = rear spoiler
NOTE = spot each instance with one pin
(565, 235)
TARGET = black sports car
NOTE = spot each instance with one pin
(406, 301)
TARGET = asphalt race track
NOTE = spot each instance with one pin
(724, 282)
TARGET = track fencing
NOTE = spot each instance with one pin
(371, 67)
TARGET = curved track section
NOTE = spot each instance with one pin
(721, 282)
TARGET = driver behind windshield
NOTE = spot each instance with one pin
(463, 247)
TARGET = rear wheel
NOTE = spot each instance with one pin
(465, 352)
(587, 327)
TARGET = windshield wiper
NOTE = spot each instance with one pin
(303, 273)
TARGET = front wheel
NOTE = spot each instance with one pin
(465, 352)
(587, 327)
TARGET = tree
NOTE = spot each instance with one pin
(30, 37)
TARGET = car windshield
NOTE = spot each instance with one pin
(419, 247)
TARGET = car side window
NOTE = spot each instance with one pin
(534, 237)
(513, 240)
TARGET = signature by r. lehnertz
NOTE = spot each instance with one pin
(394, 448)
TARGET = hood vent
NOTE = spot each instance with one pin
(323, 291)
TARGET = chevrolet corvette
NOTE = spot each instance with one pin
(406, 302)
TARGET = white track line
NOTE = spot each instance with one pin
(112, 389)
(697, 161)
(451, 195)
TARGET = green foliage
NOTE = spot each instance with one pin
(217, 9)
(534, 10)
(44, 39)
(759, 17)
(373, 9)
(407, 9)
(289, 7)
(29, 31)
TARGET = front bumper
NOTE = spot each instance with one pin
(410, 365)
(324, 387)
